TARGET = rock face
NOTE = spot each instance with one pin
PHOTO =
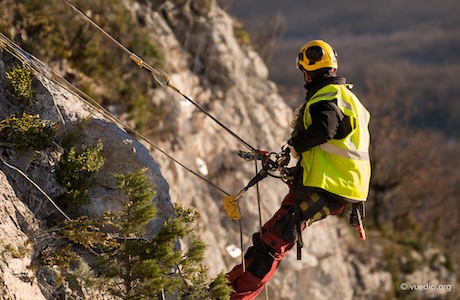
(231, 81)
(17, 223)
(205, 61)
(22, 236)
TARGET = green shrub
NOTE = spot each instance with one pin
(61, 257)
(145, 269)
(139, 209)
(241, 34)
(75, 173)
(18, 252)
(54, 32)
(27, 132)
(20, 82)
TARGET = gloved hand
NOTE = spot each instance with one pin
(288, 173)
(294, 153)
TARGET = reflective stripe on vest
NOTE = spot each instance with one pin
(344, 153)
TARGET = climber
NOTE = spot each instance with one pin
(330, 139)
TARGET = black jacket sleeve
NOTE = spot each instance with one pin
(325, 122)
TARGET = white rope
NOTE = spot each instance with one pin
(37, 186)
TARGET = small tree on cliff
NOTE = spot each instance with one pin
(147, 269)
(134, 267)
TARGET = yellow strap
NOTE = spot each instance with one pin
(231, 207)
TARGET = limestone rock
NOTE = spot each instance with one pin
(206, 62)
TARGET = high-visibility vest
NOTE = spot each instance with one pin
(340, 166)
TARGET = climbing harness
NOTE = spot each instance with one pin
(270, 161)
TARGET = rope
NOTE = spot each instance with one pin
(159, 76)
(164, 81)
(260, 219)
(52, 76)
(40, 69)
(38, 188)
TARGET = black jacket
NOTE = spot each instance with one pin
(328, 121)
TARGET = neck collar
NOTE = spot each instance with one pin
(315, 85)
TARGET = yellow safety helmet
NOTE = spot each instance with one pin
(317, 54)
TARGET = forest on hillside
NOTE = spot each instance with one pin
(411, 45)
(402, 57)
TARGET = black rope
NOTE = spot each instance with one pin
(163, 80)
(238, 138)
(51, 75)
(159, 76)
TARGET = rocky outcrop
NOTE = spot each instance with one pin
(26, 209)
(18, 225)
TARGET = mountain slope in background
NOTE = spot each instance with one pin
(390, 32)
(411, 42)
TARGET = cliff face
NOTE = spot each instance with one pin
(26, 209)
(205, 61)
(16, 223)
(231, 80)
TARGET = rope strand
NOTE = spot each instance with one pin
(163, 80)
(159, 76)
(38, 188)
(52, 76)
